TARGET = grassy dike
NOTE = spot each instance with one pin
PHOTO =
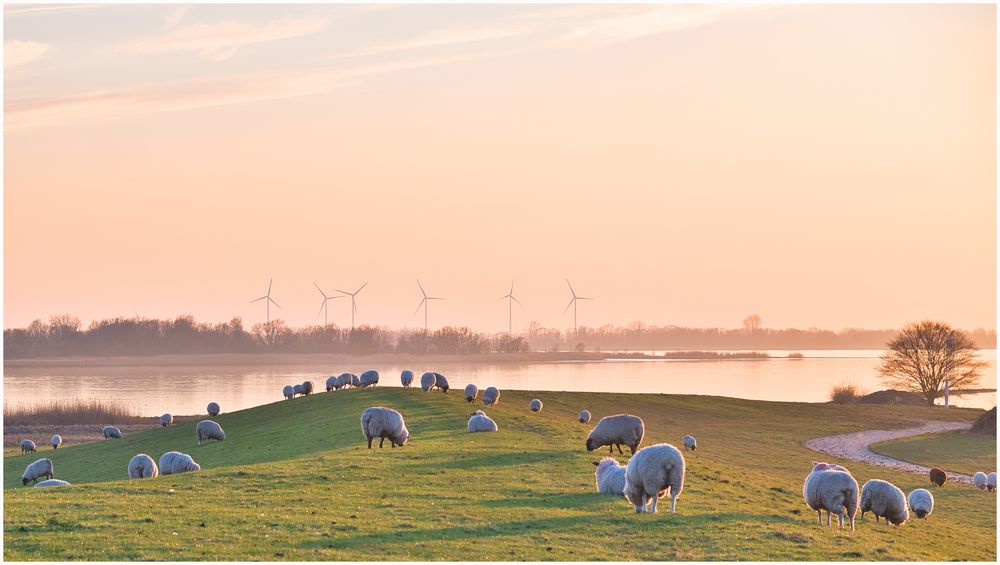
(294, 481)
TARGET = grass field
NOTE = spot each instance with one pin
(959, 452)
(293, 480)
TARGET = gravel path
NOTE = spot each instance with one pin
(854, 446)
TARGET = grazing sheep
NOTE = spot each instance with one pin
(610, 476)
(53, 483)
(355, 380)
(441, 382)
(615, 431)
(142, 466)
(369, 378)
(690, 443)
(56, 441)
(213, 408)
(491, 396)
(651, 472)
(381, 422)
(921, 501)
(27, 446)
(991, 481)
(297, 390)
(471, 392)
(36, 470)
(938, 477)
(331, 383)
(307, 388)
(820, 466)
(979, 480)
(207, 429)
(175, 462)
(428, 381)
(112, 432)
(480, 422)
(833, 490)
(166, 420)
(288, 392)
(584, 416)
(344, 380)
(884, 500)
(406, 378)
(535, 405)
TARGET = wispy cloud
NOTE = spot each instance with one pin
(439, 38)
(220, 41)
(24, 10)
(17, 53)
(175, 16)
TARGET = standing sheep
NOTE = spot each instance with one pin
(52, 483)
(809, 491)
(166, 420)
(535, 405)
(331, 383)
(207, 429)
(355, 381)
(27, 446)
(343, 381)
(480, 422)
(213, 409)
(884, 500)
(979, 480)
(297, 390)
(307, 388)
(381, 422)
(175, 462)
(651, 472)
(921, 501)
(428, 381)
(369, 378)
(491, 396)
(471, 392)
(584, 416)
(615, 431)
(406, 378)
(56, 441)
(441, 382)
(36, 470)
(938, 477)
(991, 481)
(112, 432)
(610, 476)
(142, 466)
(690, 443)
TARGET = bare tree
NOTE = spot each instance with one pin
(922, 354)
(272, 333)
(752, 323)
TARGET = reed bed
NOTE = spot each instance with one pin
(69, 412)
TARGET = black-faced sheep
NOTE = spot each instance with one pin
(166, 420)
(27, 446)
(584, 416)
(380, 422)
(535, 405)
(355, 381)
(471, 392)
(441, 382)
(428, 381)
(369, 378)
(36, 470)
(491, 396)
(884, 500)
(112, 432)
(331, 383)
(921, 501)
(56, 441)
(690, 443)
(406, 378)
(615, 431)
(652, 472)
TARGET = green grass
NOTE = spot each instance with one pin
(959, 452)
(294, 481)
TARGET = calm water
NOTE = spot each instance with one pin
(187, 389)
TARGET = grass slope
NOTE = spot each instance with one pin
(294, 481)
(959, 452)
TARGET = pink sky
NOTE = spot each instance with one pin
(823, 166)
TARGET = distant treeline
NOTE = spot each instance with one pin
(64, 335)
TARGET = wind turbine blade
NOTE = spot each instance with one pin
(422, 291)
(273, 302)
(354, 305)
(362, 286)
(511, 287)
(334, 297)
(418, 307)
(501, 298)
(257, 299)
(319, 289)
(571, 300)
(321, 308)
(269, 283)
(584, 298)
(571, 291)
(343, 292)
(516, 300)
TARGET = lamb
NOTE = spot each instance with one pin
(52, 483)
(535, 405)
(480, 422)
(884, 500)
(381, 422)
(820, 466)
(331, 383)
(938, 477)
(979, 480)
(921, 501)
(369, 378)
(166, 420)
(307, 389)
(297, 390)
(615, 431)
(491, 396)
(441, 382)
(207, 429)
(650, 473)
(690, 443)
(344, 380)
(112, 432)
(142, 466)
(355, 380)
(610, 476)
(832, 490)
(471, 392)
(991, 481)
(175, 462)
(56, 441)
(213, 409)
(584, 416)
(27, 446)
(406, 378)
(36, 470)
(428, 381)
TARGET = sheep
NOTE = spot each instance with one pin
(355, 380)
(615, 431)
(584, 416)
(832, 490)
(820, 466)
(36, 470)
(297, 390)
(27, 446)
(344, 380)
(884, 500)
(921, 501)
(938, 477)
(331, 383)
(381, 422)
(166, 420)
(979, 480)
(369, 378)
(52, 483)
(650, 473)
(428, 381)
(175, 462)
(491, 396)
(471, 392)
(112, 432)
(142, 466)
(535, 405)
(288, 392)
(690, 443)
(610, 476)
(207, 429)
(406, 377)
(56, 441)
(307, 389)
(213, 408)
(441, 382)
(991, 481)
(480, 422)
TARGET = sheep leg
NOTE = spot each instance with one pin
(828, 518)
(381, 441)
(632, 447)
(611, 448)
(673, 501)
(840, 520)
(655, 497)
(370, 442)
(619, 446)
(645, 501)
(819, 514)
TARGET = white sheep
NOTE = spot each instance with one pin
(343, 381)
(112, 432)
(369, 378)
(36, 470)
(991, 481)
(288, 392)
(207, 429)
(491, 396)
(480, 422)
(166, 420)
(175, 462)
(471, 392)
(381, 422)
(213, 409)
(651, 472)
(406, 378)
(56, 441)
(584, 416)
(307, 388)
(52, 483)
(142, 466)
(428, 381)
(27, 446)
(615, 431)
(355, 380)
(921, 501)
(690, 443)
(979, 480)
(832, 490)
(610, 476)
(535, 405)
(297, 390)
(331, 383)
(441, 382)
(884, 500)
(821, 466)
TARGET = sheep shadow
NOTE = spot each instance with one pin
(576, 500)
(490, 460)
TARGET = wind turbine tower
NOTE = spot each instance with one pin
(572, 302)
(354, 306)
(510, 306)
(424, 303)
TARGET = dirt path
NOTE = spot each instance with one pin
(854, 446)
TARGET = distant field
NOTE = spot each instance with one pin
(294, 481)
(961, 452)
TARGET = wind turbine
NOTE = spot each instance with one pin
(268, 298)
(510, 305)
(324, 307)
(354, 307)
(572, 303)
(424, 302)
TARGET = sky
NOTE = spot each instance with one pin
(821, 166)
